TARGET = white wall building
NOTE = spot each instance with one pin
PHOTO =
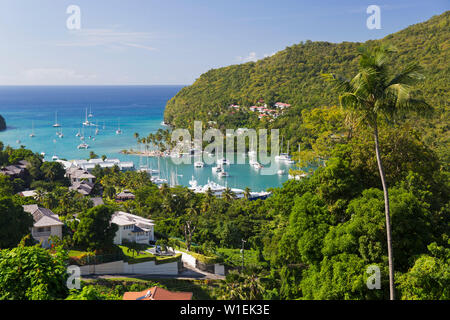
(132, 228)
(46, 224)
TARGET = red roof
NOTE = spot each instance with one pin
(157, 293)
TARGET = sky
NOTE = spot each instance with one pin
(150, 42)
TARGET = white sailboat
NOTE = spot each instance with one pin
(32, 130)
(90, 113)
(56, 125)
(87, 122)
(118, 131)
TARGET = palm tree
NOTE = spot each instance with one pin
(136, 136)
(247, 193)
(374, 94)
(228, 195)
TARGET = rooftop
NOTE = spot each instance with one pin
(157, 293)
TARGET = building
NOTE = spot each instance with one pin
(156, 293)
(132, 228)
(28, 193)
(125, 195)
(46, 224)
(281, 105)
(77, 174)
(15, 171)
(83, 187)
(89, 165)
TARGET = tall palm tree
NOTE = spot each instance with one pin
(136, 136)
(376, 94)
(247, 193)
(228, 195)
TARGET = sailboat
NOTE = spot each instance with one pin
(96, 130)
(56, 125)
(78, 133)
(60, 134)
(118, 131)
(32, 130)
(90, 113)
(86, 122)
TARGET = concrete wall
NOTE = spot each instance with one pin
(121, 267)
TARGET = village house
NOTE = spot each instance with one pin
(132, 228)
(125, 195)
(281, 105)
(15, 171)
(156, 293)
(46, 224)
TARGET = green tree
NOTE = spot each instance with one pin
(429, 278)
(95, 230)
(376, 93)
(15, 223)
(33, 273)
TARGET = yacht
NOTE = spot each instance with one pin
(223, 161)
(55, 157)
(199, 164)
(87, 122)
(280, 172)
(223, 174)
(83, 146)
(32, 130)
(217, 169)
(56, 125)
(118, 131)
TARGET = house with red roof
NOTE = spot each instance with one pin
(157, 293)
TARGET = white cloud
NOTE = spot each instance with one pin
(54, 76)
(251, 57)
(108, 38)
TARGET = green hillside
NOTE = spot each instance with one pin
(293, 76)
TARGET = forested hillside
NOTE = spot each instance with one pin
(293, 76)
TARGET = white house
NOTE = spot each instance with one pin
(132, 228)
(46, 224)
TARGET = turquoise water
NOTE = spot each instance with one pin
(137, 109)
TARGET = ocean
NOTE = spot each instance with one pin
(140, 109)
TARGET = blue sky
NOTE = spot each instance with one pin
(175, 41)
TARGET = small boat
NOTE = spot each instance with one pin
(199, 164)
(56, 125)
(32, 130)
(217, 169)
(223, 161)
(90, 113)
(83, 146)
(18, 141)
(55, 157)
(223, 174)
(280, 172)
(87, 122)
(118, 131)
(43, 154)
(78, 134)
(257, 165)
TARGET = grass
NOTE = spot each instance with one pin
(201, 257)
(233, 257)
(146, 256)
(76, 253)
